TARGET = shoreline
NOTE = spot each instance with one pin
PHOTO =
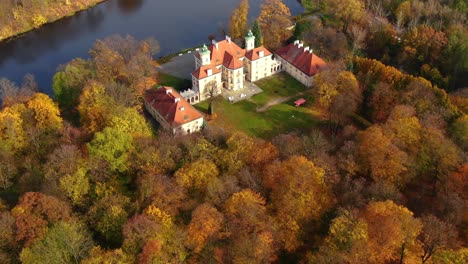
(70, 14)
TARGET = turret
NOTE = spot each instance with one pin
(249, 41)
(204, 55)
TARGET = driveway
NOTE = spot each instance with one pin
(180, 66)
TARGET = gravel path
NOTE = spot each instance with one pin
(276, 101)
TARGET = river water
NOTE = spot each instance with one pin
(176, 24)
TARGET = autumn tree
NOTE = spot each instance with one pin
(404, 128)
(436, 235)
(206, 223)
(157, 236)
(107, 216)
(437, 157)
(348, 11)
(35, 212)
(252, 237)
(339, 94)
(161, 191)
(66, 173)
(196, 176)
(288, 178)
(274, 19)
(123, 59)
(238, 21)
(8, 245)
(381, 158)
(392, 231)
(239, 149)
(346, 241)
(10, 93)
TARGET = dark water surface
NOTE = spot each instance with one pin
(176, 24)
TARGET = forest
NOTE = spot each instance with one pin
(86, 177)
(20, 16)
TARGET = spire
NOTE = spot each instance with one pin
(250, 34)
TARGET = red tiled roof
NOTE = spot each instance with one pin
(202, 72)
(255, 53)
(231, 62)
(225, 49)
(175, 113)
(305, 61)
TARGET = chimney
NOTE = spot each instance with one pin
(209, 72)
(311, 51)
(168, 91)
(301, 45)
(228, 38)
(306, 48)
(214, 42)
(177, 99)
(261, 53)
(296, 42)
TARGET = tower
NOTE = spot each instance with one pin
(204, 55)
(249, 41)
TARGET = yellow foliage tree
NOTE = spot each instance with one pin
(46, 112)
(238, 20)
(197, 175)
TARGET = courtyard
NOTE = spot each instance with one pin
(277, 118)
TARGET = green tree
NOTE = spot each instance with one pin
(113, 146)
(257, 32)
(108, 215)
(69, 82)
(63, 243)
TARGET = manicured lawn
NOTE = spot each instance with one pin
(278, 85)
(178, 83)
(242, 116)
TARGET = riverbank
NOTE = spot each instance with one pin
(19, 20)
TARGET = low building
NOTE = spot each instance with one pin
(172, 111)
(300, 62)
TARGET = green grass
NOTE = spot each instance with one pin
(242, 116)
(178, 83)
(278, 85)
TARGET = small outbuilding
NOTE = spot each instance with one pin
(300, 102)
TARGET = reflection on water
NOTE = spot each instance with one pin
(176, 24)
(129, 6)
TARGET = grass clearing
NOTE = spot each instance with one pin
(178, 83)
(277, 86)
(242, 116)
